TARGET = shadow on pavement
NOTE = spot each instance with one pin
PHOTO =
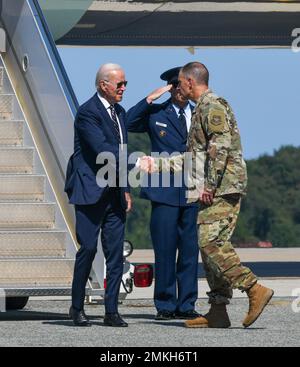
(138, 316)
(36, 316)
(68, 323)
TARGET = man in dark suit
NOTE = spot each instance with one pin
(99, 128)
(173, 221)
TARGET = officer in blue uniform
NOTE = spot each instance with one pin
(173, 221)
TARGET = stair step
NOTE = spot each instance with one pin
(22, 187)
(11, 132)
(27, 215)
(16, 160)
(36, 273)
(6, 106)
(16, 244)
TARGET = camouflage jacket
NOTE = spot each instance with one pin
(215, 145)
(214, 131)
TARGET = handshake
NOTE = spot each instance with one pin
(146, 164)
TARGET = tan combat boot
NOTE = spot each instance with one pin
(259, 297)
(217, 317)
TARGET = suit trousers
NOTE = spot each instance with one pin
(107, 215)
(175, 228)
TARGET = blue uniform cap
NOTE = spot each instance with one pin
(171, 75)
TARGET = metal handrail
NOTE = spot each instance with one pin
(60, 69)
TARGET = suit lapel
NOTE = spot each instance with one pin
(105, 117)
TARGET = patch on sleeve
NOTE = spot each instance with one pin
(216, 121)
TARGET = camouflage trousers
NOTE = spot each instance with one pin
(222, 265)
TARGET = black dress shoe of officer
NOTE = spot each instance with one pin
(79, 317)
(114, 319)
(187, 315)
(164, 315)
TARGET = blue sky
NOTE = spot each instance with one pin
(262, 85)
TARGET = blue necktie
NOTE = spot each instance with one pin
(182, 120)
(115, 122)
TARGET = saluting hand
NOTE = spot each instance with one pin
(158, 93)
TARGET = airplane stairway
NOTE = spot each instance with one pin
(32, 247)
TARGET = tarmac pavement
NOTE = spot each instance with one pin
(45, 323)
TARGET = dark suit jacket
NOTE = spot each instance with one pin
(161, 123)
(93, 134)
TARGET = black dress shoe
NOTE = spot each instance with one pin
(187, 315)
(165, 315)
(79, 317)
(114, 319)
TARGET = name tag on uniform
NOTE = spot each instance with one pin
(160, 124)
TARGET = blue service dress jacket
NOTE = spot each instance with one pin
(161, 123)
(94, 134)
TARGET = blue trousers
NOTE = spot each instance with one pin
(107, 215)
(176, 284)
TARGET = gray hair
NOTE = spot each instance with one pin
(104, 71)
(197, 71)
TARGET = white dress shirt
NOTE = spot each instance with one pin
(187, 113)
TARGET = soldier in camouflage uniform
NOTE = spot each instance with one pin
(214, 131)
(214, 137)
